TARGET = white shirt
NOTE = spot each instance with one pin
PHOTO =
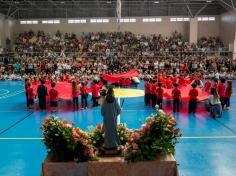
(213, 101)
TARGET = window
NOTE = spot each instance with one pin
(186, 19)
(206, 19)
(127, 20)
(152, 19)
(50, 21)
(99, 20)
(212, 18)
(77, 21)
(180, 19)
(29, 22)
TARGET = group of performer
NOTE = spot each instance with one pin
(219, 92)
(78, 89)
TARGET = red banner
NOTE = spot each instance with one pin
(117, 77)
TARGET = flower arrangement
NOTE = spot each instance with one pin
(157, 135)
(64, 142)
(97, 135)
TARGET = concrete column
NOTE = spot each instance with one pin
(193, 30)
(234, 50)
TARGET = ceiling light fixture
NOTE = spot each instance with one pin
(156, 2)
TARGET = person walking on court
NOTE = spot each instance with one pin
(42, 93)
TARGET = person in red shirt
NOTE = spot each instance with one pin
(176, 98)
(181, 80)
(169, 83)
(153, 93)
(123, 83)
(147, 96)
(84, 95)
(75, 95)
(30, 95)
(221, 92)
(214, 84)
(193, 93)
(53, 94)
(95, 93)
(128, 82)
(207, 85)
(228, 93)
(159, 95)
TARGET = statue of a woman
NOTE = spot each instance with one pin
(110, 111)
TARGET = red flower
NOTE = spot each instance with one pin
(41, 128)
(46, 121)
(99, 126)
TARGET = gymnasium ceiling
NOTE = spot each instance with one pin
(107, 8)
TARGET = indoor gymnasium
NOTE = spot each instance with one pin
(118, 88)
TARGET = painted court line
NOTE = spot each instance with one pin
(183, 137)
(14, 124)
(225, 126)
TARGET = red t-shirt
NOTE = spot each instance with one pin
(159, 93)
(53, 94)
(128, 82)
(123, 82)
(147, 87)
(221, 89)
(169, 84)
(75, 93)
(153, 88)
(30, 93)
(176, 93)
(207, 86)
(214, 85)
(95, 90)
(181, 81)
(227, 93)
(193, 93)
(84, 89)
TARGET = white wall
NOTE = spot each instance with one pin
(227, 27)
(209, 28)
(165, 27)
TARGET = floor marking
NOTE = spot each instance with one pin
(222, 124)
(14, 111)
(207, 137)
(12, 94)
(14, 124)
(21, 138)
(183, 137)
(5, 91)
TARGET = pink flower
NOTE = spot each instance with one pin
(91, 152)
(136, 136)
(125, 150)
(145, 128)
(135, 146)
(75, 138)
(85, 142)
